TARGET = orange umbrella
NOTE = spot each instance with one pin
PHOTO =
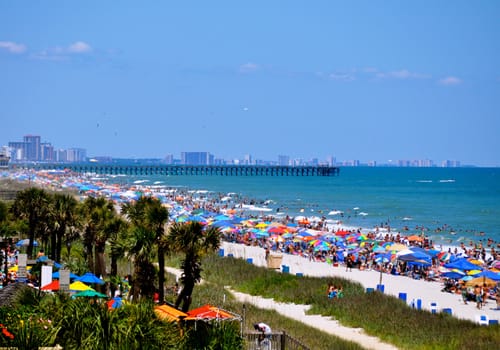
(209, 312)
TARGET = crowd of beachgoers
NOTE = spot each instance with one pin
(315, 239)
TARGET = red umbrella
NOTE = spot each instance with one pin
(54, 285)
(209, 312)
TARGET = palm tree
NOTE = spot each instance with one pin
(65, 216)
(32, 205)
(140, 247)
(192, 239)
(98, 215)
(148, 214)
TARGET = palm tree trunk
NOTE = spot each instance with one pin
(161, 274)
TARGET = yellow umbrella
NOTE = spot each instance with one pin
(396, 247)
(480, 281)
(261, 225)
(79, 286)
(473, 272)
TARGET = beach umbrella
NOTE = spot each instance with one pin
(89, 294)
(72, 276)
(114, 303)
(79, 286)
(54, 285)
(462, 264)
(452, 274)
(396, 247)
(25, 243)
(488, 274)
(480, 281)
(89, 277)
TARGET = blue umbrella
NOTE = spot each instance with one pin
(462, 264)
(72, 276)
(488, 274)
(115, 302)
(25, 243)
(453, 275)
(89, 277)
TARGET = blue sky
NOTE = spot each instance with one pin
(366, 80)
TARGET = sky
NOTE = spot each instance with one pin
(357, 80)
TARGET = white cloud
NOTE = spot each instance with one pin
(341, 76)
(61, 53)
(249, 67)
(79, 47)
(450, 81)
(12, 47)
(401, 74)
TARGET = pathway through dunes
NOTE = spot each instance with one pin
(298, 313)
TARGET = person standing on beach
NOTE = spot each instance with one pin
(478, 294)
(463, 290)
(498, 298)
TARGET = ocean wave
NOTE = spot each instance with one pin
(336, 212)
(447, 180)
(254, 208)
(140, 181)
(424, 181)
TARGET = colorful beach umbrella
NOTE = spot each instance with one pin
(90, 278)
(79, 286)
(89, 294)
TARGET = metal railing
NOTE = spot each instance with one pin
(273, 341)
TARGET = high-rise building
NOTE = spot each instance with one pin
(46, 152)
(247, 160)
(32, 151)
(16, 150)
(76, 155)
(169, 159)
(283, 160)
(196, 158)
(331, 160)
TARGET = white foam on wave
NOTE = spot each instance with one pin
(424, 181)
(254, 208)
(407, 218)
(447, 180)
(140, 181)
(363, 213)
(335, 212)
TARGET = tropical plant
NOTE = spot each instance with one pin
(65, 217)
(194, 241)
(148, 215)
(99, 222)
(32, 205)
(140, 249)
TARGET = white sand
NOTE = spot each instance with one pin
(426, 291)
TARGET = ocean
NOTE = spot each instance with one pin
(452, 205)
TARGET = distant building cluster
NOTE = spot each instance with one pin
(32, 149)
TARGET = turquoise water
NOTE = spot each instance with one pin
(462, 202)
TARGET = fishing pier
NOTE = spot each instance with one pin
(190, 170)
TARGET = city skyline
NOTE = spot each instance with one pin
(34, 149)
(363, 80)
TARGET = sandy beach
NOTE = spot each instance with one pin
(427, 291)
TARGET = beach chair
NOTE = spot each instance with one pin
(433, 306)
(483, 320)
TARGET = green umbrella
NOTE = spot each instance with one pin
(89, 294)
